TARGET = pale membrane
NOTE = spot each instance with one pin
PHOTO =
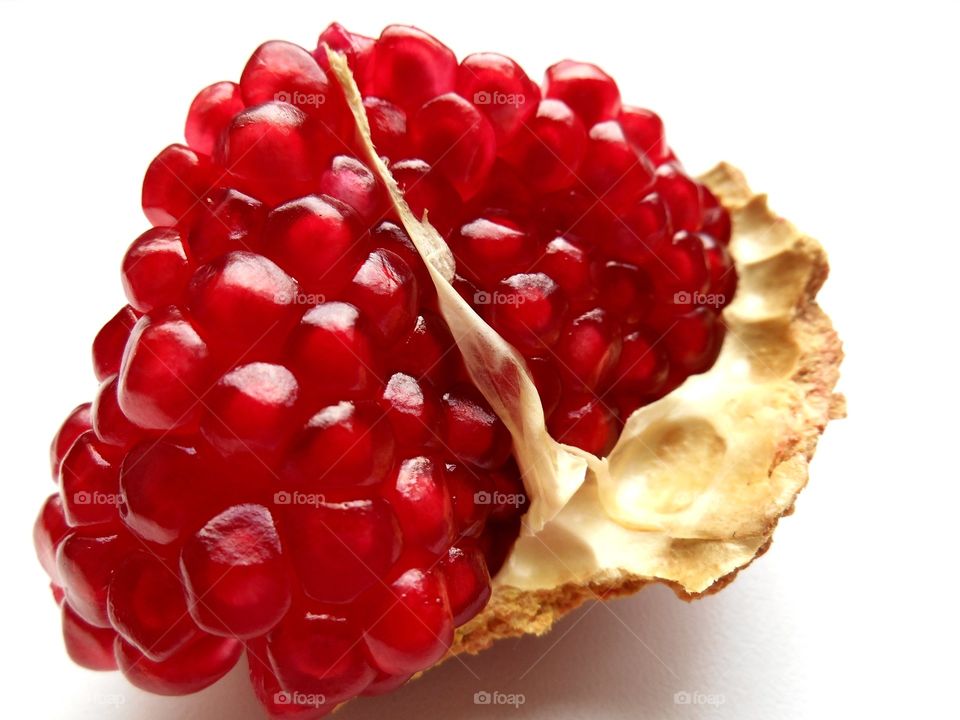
(697, 481)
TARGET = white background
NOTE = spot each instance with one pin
(848, 119)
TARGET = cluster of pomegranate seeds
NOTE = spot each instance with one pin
(286, 456)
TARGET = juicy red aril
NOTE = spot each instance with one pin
(385, 290)
(427, 353)
(283, 71)
(408, 67)
(451, 134)
(110, 342)
(87, 645)
(411, 411)
(280, 704)
(196, 665)
(548, 150)
(642, 368)
(344, 445)
(626, 291)
(315, 240)
(639, 233)
(342, 549)
(589, 347)
(527, 309)
(644, 130)
(612, 169)
(507, 499)
(48, 530)
(146, 605)
(472, 431)
(721, 271)
(682, 275)
(164, 371)
(231, 221)
(716, 219)
(355, 47)
(500, 89)
(693, 341)
(682, 197)
(252, 409)
(388, 126)
(491, 249)
(77, 423)
(587, 89)
(422, 504)
(235, 573)
(352, 182)
(467, 580)
(463, 486)
(584, 421)
(426, 190)
(210, 112)
(567, 263)
(89, 477)
(319, 653)
(109, 423)
(156, 269)
(413, 626)
(86, 558)
(175, 185)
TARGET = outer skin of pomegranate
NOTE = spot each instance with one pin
(286, 454)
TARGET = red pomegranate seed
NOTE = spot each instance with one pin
(385, 291)
(505, 195)
(613, 170)
(693, 341)
(388, 126)
(164, 371)
(500, 89)
(411, 411)
(547, 379)
(716, 220)
(548, 150)
(315, 240)
(88, 646)
(682, 275)
(235, 573)
(642, 368)
(451, 134)
(472, 431)
(644, 130)
(467, 580)
(77, 423)
(491, 249)
(245, 304)
(210, 112)
(626, 291)
(317, 652)
(48, 530)
(287, 73)
(427, 353)
(175, 186)
(411, 624)
(193, 667)
(281, 704)
(156, 269)
(682, 197)
(527, 309)
(721, 271)
(352, 182)
(408, 67)
(589, 347)
(355, 47)
(588, 90)
(344, 445)
(89, 479)
(341, 549)
(507, 497)
(463, 486)
(232, 221)
(110, 342)
(639, 233)
(252, 409)
(86, 558)
(567, 262)
(333, 348)
(427, 192)
(422, 504)
(146, 605)
(584, 421)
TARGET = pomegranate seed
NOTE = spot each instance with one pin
(210, 112)
(716, 220)
(588, 90)
(252, 409)
(626, 291)
(459, 143)
(385, 290)
(425, 190)
(357, 48)
(682, 275)
(547, 379)
(613, 171)
(285, 72)
(489, 250)
(48, 530)
(279, 703)
(589, 347)
(582, 420)
(352, 182)
(342, 549)
(388, 126)
(422, 505)
(232, 221)
(682, 197)
(77, 423)
(156, 269)
(527, 309)
(408, 67)
(547, 152)
(463, 486)
(427, 353)
(500, 89)
(642, 368)
(413, 626)
(721, 271)
(175, 185)
(639, 233)
(644, 130)
(566, 261)
(411, 411)
(164, 371)
(146, 605)
(110, 342)
(87, 645)
(505, 195)
(508, 499)
(193, 667)
(693, 341)
(318, 652)
(89, 478)
(315, 240)
(472, 431)
(235, 573)
(468, 582)
(85, 561)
